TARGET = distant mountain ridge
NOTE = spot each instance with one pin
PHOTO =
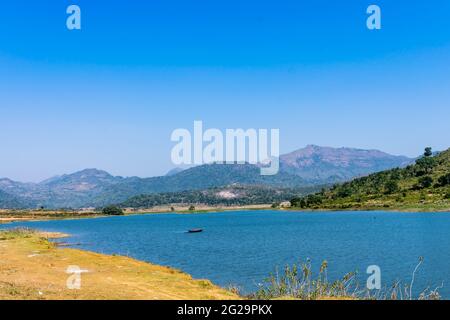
(330, 165)
(310, 166)
(69, 190)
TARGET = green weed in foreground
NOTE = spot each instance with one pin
(298, 282)
(16, 233)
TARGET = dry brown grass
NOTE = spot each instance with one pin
(33, 268)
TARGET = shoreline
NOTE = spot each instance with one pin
(371, 209)
(10, 216)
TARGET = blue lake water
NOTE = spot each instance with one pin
(242, 248)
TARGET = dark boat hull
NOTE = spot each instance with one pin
(195, 230)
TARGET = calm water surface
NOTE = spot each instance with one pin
(242, 248)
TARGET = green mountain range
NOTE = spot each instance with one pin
(424, 185)
(310, 166)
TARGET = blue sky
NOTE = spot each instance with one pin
(110, 95)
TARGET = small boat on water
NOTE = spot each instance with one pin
(195, 230)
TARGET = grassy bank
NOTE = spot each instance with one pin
(31, 267)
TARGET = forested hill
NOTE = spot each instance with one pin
(424, 185)
(228, 195)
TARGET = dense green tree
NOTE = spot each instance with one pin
(313, 199)
(112, 211)
(308, 201)
(395, 174)
(424, 165)
(295, 202)
(391, 186)
(444, 180)
(344, 191)
(303, 203)
(424, 182)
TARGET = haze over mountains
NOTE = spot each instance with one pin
(310, 166)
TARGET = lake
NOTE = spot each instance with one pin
(242, 248)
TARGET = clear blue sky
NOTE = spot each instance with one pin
(110, 95)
